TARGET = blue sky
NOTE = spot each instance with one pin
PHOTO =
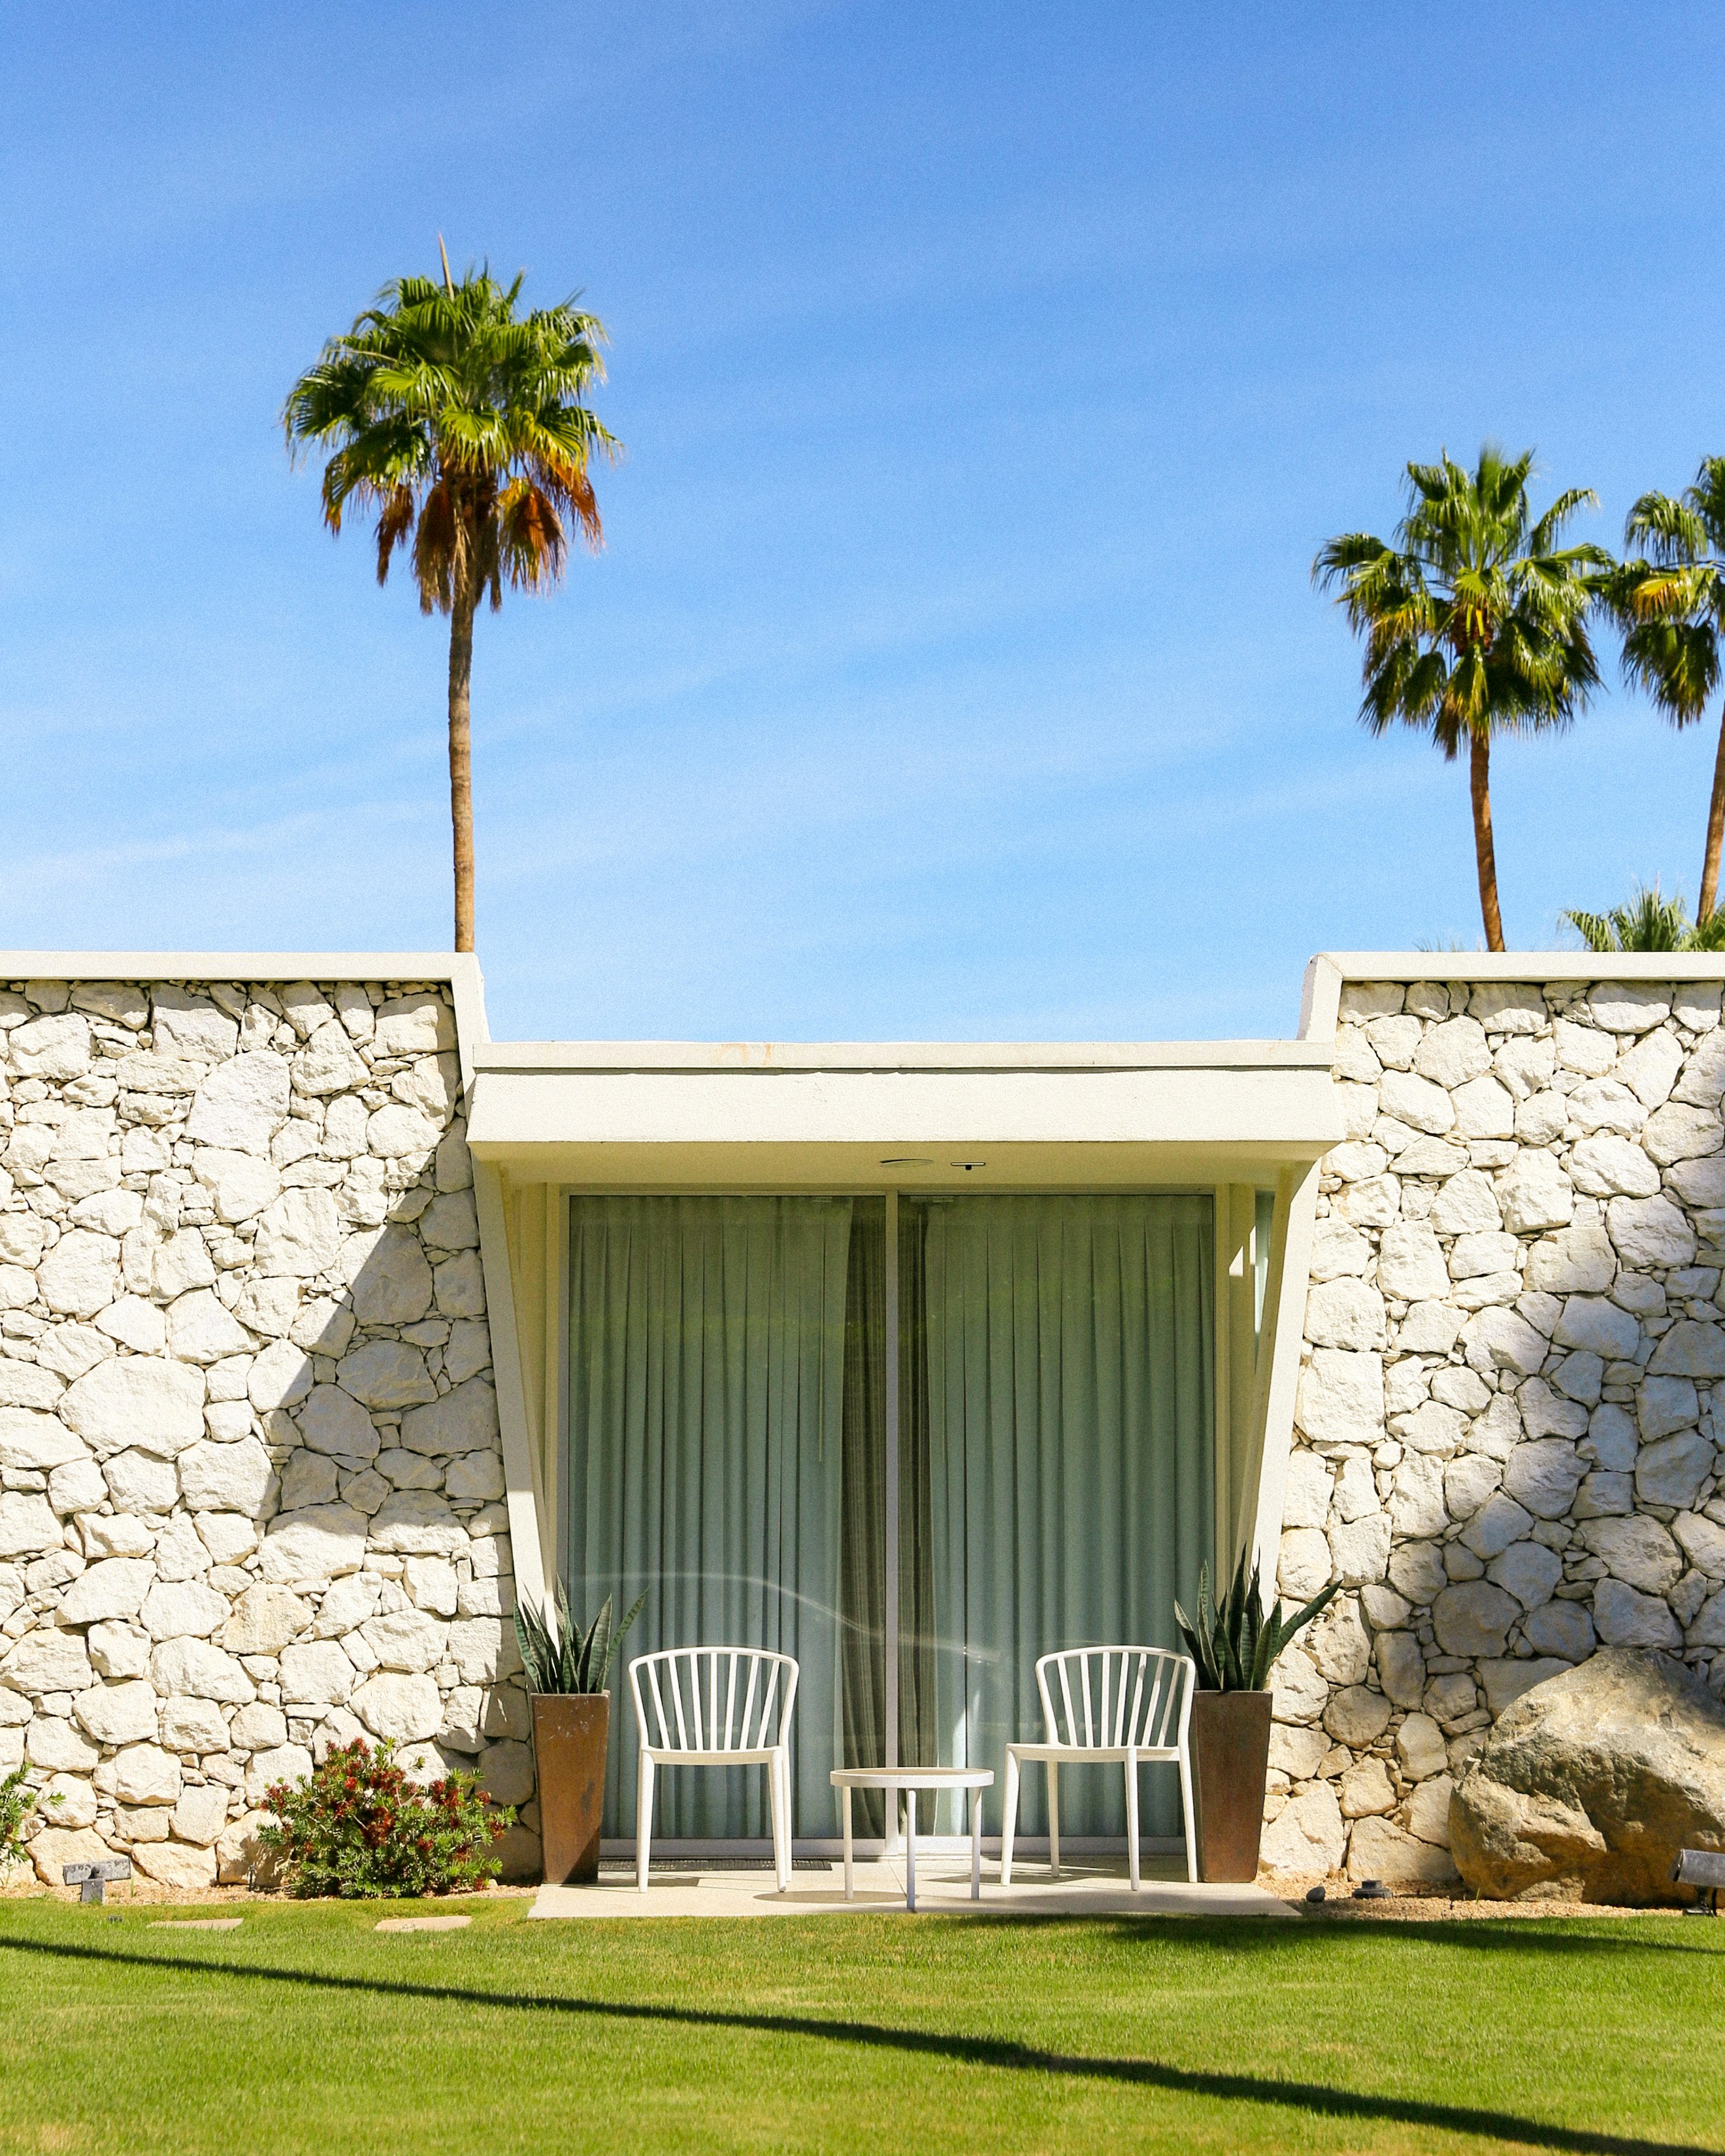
(989, 376)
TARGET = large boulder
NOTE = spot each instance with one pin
(1592, 1782)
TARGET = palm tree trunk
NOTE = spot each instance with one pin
(1480, 785)
(461, 755)
(1716, 832)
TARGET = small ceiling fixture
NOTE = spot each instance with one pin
(967, 1165)
(907, 1160)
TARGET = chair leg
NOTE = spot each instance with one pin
(776, 1791)
(1131, 1820)
(1186, 1807)
(644, 1820)
(1054, 1818)
(1009, 1816)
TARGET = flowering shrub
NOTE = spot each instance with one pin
(18, 1802)
(356, 1826)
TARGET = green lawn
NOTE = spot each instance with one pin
(306, 2031)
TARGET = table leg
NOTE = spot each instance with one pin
(848, 1889)
(910, 1848)
(976, 1844)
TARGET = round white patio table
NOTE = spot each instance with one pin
(910, 1779)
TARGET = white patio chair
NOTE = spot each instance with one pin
(1136, 1710)
(719, 1714)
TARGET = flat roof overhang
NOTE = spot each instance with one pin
(737, 1114)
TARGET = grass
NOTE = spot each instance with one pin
(307, 2031)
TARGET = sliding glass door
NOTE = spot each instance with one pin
(915, 1442)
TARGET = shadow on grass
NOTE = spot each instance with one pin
(999, 2053)
(1528, 1935)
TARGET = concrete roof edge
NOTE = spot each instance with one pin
(768, 1058)
(1525, 965)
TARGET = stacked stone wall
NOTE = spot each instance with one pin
(250, 1478)
(1512, 1396)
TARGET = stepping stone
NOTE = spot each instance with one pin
(423, 1924)
(197, 1924)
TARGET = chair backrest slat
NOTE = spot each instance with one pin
(701, 1723)
(1135, 1699)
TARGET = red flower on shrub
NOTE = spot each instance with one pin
(356, 1826)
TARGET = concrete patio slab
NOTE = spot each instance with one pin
(942, 1888)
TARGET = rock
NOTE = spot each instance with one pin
(142, 1401)
(201, 1813)
(1536, 1194)
(1357, 1717)
(1639, 1551)
(1528, 1570)
(466, 1420)
(1473, 1617)
(58, 1745)
(78, 1277)
(484, 1650)
(1420, 1748)
(300, 1234)
(241, 1183)
(1592, 1782)
(1307, 1834)
(1416, 1497)
(280, 1378)
(333, 1421)
(1504, 1682)
(1340, 1400)
(239, 1855)
(118, 1650)
(405, 1707)
(393, 1285)
(321, 1542)
(421, 1024)
(175, 1610)
(176, 1865)
(1662, 1405)
(460, 1286)
(28, 1525)
(241, 1105)
(1469, 1482)
(506, 1772)
(192, 1725)
(200, 1330)
(220, 1478)
(1410, 1262)
(53, 1848)
(477, 1478)
(1627, 1618)
(1702, 1541)
(1650, 1233)
(1468, 1204)
(1336, 1250)
(117, 1713)
(1598, 1325)
(449, 1222)
(52, 1047)
(194, 1666)
(1401, 1667)
(289, 1763)
(318, 1673)
(1563, 1629)
(1359, 1549)
(1607, 1166)
(1378, 1849)
(1673, 1471)
(258, 1727)
(1416, 1101)
(1416, 1570)
(114, 1588)
(1691, 1349)
(389, 1373)
(1303, 1567)
(263, 1621)
(1676, 1133)
(417, 1523)
(1484, 1109)
(1543, 1476)
(410, 1641)
(1344, 1313)
(346, 1605)
(182, 1263)
(1503, 1340)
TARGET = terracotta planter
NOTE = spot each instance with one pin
(572, 1735)
(1230, 1741)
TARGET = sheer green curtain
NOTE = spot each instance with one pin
(1070, 1435)
(706, 1395)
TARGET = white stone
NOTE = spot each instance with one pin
(1638, 1550)
(1484, 1110)
(139, 1482)
(1336, 1250)
(474, 1478)
(406, 1708)
(118, 1650)
(1630, 1006)
(1416, 1499)
(432, 1585)
(1430, 1328)
(1574, 1260)
(241, 1184)
(78, 1277)
(466, 1420)
(28, 1525)
(1527, 1570)
(288, 1762)
(223, 1478)
(386, 1373)
(1526, 1065)
(192, 1725)
(1344, 1313)
(327, 1063)
(417, 1523)
(1468, 1204)
(1503, 1339)
(1650, 1233)
(1671, 1471)
(300, 1234)
(1543, 1476)
(200, 1330)
(1703, 1542)
(32, 1442)
(1473, 1617)
(1472, 1257)
(1359, 1549)
(410, 1640)
(1627, 1618)
(1563, 1629)
(201, 1813)
(1340, 1398)
(1675, 1133)
(46, 1659)
(484, 1650)
(114, 1588)
(316, 1673)
(421, 1024)
(1592, 1322)
(346, 1605)
(321, 1542)
(398, 1130)
(393, 1285)
(182, 1263)
(241, 1105)
(1536, 1194)
(1303, 1567)
(1410, 1264)
(1417, 1102)
(137, 1400)
(1308, 1833)
(1468, 1483)
(263, 1621)
(136, 1324)
(177, 1609)
(460, 1286)
(1691, 1349)
(280, 1377)
(1454, 1052)
(117, 1713)
(194, 1666)
(1541, 1119)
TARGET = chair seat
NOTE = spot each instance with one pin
(675, 1756)
(1115, 1755)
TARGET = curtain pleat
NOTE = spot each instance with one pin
(706, 1359)
(1071, 1421)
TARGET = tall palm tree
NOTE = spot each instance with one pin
(1475, 621)
(1670, 603)
(460, 425)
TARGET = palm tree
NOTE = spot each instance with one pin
(460, 426)
(1649, 921)
(1475, 621)
(1670, 603)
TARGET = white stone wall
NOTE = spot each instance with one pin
(1506, 1439)
(250, 1478)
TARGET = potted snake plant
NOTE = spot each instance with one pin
(1234, 1646)
(568, 1669)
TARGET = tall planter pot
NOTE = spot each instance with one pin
(1229, 1739)
(572, 1733)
